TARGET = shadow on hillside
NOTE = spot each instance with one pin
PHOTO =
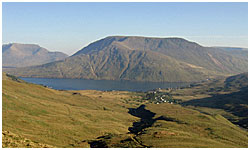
(98, 144)
(235, 103)
(147, 119)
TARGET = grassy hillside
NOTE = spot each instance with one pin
(60, 118)
(173, 126)
(12, 140)
(107, 119)
(227, 96)
(141, 59)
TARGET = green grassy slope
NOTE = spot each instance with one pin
(12, 140)
(227, 96)
(191, 129)
(59, 118)
(107, 119)
(177, 127)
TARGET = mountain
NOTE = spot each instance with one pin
(240, 52)
(36, 116)
(141, 59)
(232, 48)
(23, 55)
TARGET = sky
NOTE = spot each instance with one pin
(68, 27)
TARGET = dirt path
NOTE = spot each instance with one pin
(69, 113)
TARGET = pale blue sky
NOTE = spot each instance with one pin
(68, 27)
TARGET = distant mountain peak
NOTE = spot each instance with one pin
(21, 55)
(20, 44)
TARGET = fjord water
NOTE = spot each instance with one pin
(102, 85)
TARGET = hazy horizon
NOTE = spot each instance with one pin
(68, 27)
(72, 52)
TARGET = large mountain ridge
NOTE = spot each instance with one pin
(142, 59)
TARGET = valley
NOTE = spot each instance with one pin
(125, 74)
(89, 118)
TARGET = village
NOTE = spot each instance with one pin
(159, 96)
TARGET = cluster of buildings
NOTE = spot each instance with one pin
(158, 97)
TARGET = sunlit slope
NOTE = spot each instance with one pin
(177, 127)
(12, 140)
(108, 119)
(226, 96)
(59, 118)
(192, 129)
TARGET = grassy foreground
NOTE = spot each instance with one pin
(106, 119)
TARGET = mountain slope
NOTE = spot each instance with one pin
(178, 48)
(141, 59)
(61, 118)
(119, 64)
(237, 51)
(229, 96)
(22, 55)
